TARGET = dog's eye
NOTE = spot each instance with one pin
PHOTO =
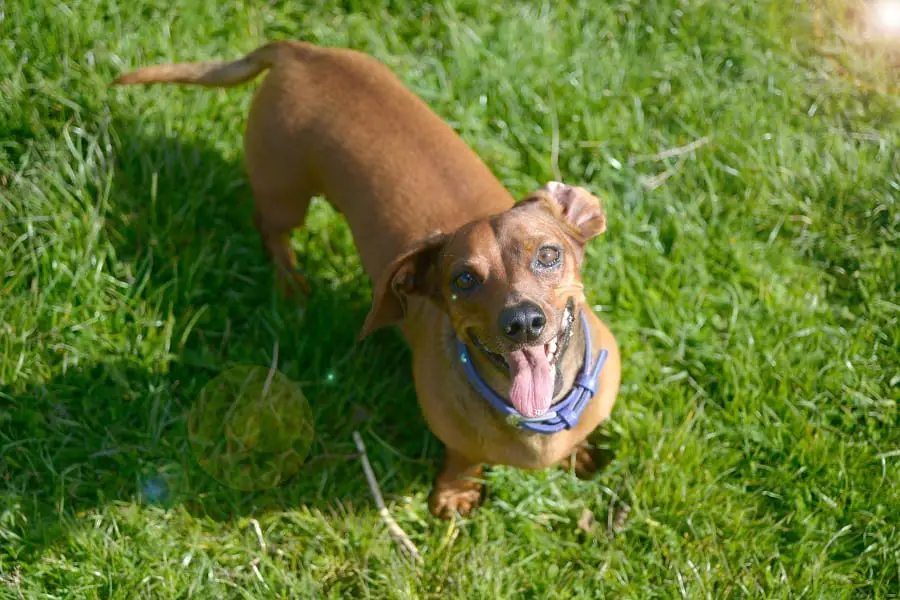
(466, 281)
(548, 257)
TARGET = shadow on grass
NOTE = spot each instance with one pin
(180, 221)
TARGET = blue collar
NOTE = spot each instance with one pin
(562, 415)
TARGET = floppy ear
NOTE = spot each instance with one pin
(575, 208)
(413, 273)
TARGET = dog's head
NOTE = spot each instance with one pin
(510, 284)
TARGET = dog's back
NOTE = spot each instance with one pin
(339, 123)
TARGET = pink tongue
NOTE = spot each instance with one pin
(531, 391)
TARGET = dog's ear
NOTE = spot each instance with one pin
(413, 273)
(577, 209)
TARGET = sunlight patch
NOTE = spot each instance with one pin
(862, 39)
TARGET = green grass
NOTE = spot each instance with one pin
(754, 294)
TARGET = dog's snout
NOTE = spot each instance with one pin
(523, 322)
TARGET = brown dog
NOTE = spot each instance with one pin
(487, 294)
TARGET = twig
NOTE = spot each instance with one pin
(259, 536)
(14, 580)
(618, 513)
(554, 140)
(671, 152)
(656, 181)
(394, 529)
(272, 370)
(256, 572)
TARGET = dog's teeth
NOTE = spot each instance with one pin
(550, 348)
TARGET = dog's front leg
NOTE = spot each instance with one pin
(586, 460)
(457, 488)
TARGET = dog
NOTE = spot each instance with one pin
(511, 366)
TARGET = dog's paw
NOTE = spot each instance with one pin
(588, 460)
(444, 502)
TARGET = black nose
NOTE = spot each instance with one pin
(523, 322)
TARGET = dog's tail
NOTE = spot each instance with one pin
(211, 74)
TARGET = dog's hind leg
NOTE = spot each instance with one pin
(278, 213)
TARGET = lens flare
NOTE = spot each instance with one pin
(861, 40)
(251, 429)
(886, 14)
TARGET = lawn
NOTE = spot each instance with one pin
(749, 272)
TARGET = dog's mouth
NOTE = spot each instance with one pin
(535, 376)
